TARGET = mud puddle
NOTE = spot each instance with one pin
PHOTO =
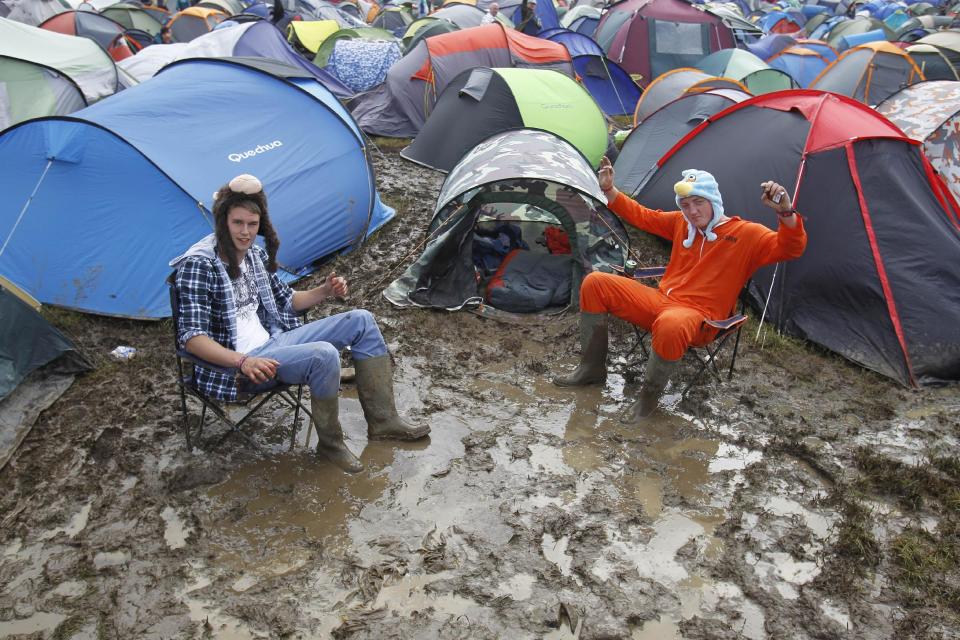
(431, 528)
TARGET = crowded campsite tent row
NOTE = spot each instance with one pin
(159, 158)
(258, 39)
(400, 106)
(880, 222)
(649, 37)
(518, 223)
(79, 59)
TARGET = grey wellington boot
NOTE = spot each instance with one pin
(655, 381)
(375, 388)
(330, 444)
(593, 353)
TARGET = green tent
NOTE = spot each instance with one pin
(29, 90)
(755, 74)
(133, 16)
(483, 101)
(80, 59)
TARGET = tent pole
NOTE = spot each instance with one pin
(26, 206)
(766, 303)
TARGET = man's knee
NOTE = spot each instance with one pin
(673, 334)
(324, 356)
(365, 318)
(593, 296)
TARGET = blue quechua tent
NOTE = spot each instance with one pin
(96, 204)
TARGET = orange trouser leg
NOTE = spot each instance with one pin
(674, 327)
(622, 297)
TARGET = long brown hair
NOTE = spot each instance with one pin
(255, 203)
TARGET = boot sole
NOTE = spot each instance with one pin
(567, 385)
(416, 435)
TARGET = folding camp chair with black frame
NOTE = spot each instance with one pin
(728, 327)
(187, 386)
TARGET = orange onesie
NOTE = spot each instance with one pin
(700, 283)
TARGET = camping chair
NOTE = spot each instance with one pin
(728, 327)
(187, 385)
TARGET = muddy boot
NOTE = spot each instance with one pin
(593, 353)
(654, 382)
(330, 444)
(375, 388)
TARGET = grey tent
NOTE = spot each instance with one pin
(664, 128)
(37, 364)
(515, 199)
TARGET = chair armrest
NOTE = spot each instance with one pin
(186, 355)
(649, 272)
(729, 323)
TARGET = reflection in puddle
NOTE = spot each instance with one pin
(77, 524)
(175, 532)
(38, 622)
(407, 596)
(218, 624)
(556, 552)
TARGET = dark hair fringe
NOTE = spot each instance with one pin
(226, 200)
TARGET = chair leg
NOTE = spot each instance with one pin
(185, 416)
(736, 348)
(296, 417)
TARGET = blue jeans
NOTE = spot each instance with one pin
(311, 354)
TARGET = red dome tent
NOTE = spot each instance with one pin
(101, 29)
(880, 280)
(650, 37)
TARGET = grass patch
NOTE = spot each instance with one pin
(912, 486)
(927, 566)
(390, 144)
(856, 552)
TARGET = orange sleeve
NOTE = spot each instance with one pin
(783, 244)
(653, 221)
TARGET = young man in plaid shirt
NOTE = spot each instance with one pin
(236, 313)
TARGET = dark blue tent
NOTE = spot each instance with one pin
(614, 90)
(769, 45)
(97, 203)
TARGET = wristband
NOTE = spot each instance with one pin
(243, 358)
(787, 214)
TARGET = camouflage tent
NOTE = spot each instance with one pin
(929, 112)
(531, 186)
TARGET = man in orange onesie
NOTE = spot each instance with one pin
(711, 260)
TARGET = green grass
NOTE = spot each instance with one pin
(390, 144)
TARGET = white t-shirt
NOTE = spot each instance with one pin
(250, 331)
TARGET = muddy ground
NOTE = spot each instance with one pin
(805, 498)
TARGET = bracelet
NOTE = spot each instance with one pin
(787, 214)
(243, 358)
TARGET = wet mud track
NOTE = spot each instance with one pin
(531, 512)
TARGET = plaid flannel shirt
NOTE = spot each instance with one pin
(207, 307)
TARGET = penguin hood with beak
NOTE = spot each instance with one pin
(702, 184)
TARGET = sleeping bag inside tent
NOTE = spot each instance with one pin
(520, 220)
(96, 204)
